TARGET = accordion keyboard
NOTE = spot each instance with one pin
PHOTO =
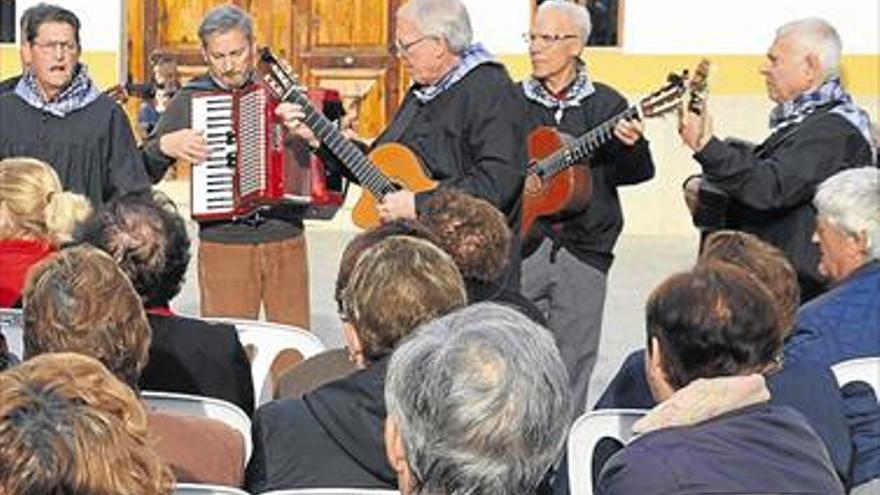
(213, 178)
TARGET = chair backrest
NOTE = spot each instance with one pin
(269, 340)
(585, 434)
(202, 407)
(199, 489)
(865, 369)
(333, 491)
(12, 328)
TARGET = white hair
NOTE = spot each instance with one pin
(850, 201)
(445, 19)
(577, 13)
(818, 37)
(482, 399)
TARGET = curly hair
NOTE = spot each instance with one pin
(147, 237)
(396, 285)
(471, 230)
(765, 262)
(33, 205)
(68, 426)
(78, 300)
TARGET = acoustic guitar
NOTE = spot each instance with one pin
(388, 167)
(558, 183)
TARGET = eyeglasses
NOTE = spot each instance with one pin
(546, 39)
(404, 48)
(54, 46)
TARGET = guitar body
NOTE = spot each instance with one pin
(403, 168)
(564, 194)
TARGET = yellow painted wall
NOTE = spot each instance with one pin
(103, 66)
(730, 75)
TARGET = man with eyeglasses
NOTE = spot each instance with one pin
(461, 116)
(245, 264)
(57, 114)
(566, 273)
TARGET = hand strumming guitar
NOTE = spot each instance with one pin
(400, 204)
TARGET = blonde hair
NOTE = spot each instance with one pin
(69, 426)
(33, 205)
(397, 285)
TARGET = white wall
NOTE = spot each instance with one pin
(692, 26)
(499, 24)
(101, 21)
(740, 26)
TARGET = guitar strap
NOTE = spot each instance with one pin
(404, 117)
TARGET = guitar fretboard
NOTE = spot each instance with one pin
(582, 147)
(347, 152)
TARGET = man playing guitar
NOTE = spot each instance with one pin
(566, 274)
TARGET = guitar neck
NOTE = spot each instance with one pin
(584, 146)
(367, 174)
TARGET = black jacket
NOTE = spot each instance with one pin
(590, 235)
(771, 187)
(334, 436)
(471, 138)
(191, 356)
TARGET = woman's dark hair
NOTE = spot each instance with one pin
(715, 320)
(148, 238)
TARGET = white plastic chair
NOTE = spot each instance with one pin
(12, 327)
(202, 407)
(865, 369)
(333, 491)
(199, 489)
(585, 434)
(268, 340)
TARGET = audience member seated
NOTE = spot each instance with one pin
(334, 364)
(333, 436)
(148, 239)
(844, 323)
(712, 332)
(67, 426)
(477, 402)
(80, 301)
(809, 390)
(476, 235)
(35, 218)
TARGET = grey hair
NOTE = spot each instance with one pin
(225, 18)
(482, 399)
(577, 13)
(445, 19)
(850, 201)
(818, 37)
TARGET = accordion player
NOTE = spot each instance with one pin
(253, 161)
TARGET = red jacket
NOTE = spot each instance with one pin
(16, 258)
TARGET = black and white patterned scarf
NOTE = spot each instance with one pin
(831, 92)
(80, 92)
(579, 89)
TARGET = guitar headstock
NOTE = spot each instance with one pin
(698, 87)
(280, 78)
(667, 98)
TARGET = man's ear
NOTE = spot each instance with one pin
(353, 343)
(814, 70)
(657, 379)
(396, 454)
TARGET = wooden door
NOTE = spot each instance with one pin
(345, 44)
(340, 44)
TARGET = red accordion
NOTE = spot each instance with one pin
(254, 162)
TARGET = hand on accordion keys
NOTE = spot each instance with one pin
(184, 144)
(292, 115)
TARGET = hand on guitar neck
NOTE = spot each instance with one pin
(694, 121)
